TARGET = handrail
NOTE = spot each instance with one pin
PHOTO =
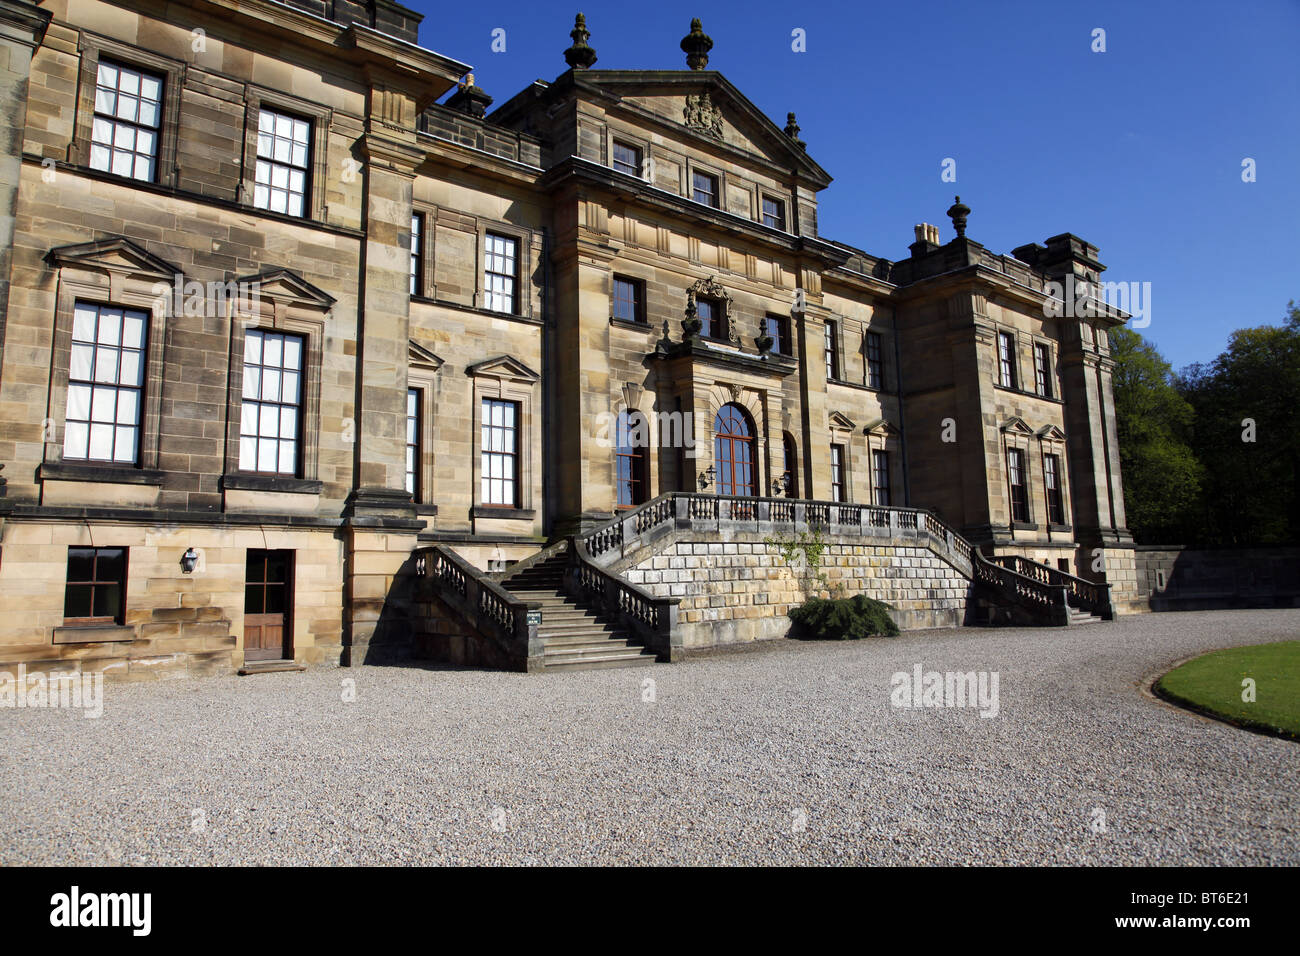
(1027, 589)
(681, 509)
(1092, 596)
(650, 617)
(489, 608)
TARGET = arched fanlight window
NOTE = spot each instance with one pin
(733, 450)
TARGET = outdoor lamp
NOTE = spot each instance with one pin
(188, 560)
(706, 477)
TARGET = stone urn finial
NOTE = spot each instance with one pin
(696, 45)
(792, 130)
(580, 56)
(958, 212)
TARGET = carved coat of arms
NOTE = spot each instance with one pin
(701, 114)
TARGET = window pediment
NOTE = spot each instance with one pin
(838, 421)
(1016, 425)
(286, 285)
(417, 356)
(503, 367)
(117, 255)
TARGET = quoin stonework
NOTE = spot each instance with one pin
(314, 354)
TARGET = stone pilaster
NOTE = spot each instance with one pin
(22, 27)
(381, 527)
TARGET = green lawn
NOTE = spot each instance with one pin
(1213, 685)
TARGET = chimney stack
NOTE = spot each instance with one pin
(927, 239)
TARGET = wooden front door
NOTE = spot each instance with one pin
(268, 606)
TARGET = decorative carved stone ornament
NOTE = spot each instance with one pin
(712, 289)
(700, 114)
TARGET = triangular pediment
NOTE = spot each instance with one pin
(418, 356)
(503, 366)
(879, 426)
(703, 105)
(1051, 433)
(116, 254)
(838, 420)
(286, 284)
(1017, 426)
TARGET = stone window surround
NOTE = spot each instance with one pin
(785, 208)
(628, 138)
(643, 320)
(320, 117)
(1053, 385)
(114, 290)
(1017, 366)
(487, 385)
(1019, 442)
(523, 264)
(1051, 445)
(886, 368)
(693, 166)
(423, 380)
(841, 433)
(92, 47)
(884, 438)
(425, 288)
(838, 336)
(312, 331)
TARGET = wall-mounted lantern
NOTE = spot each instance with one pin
(706, 477)
(189, 560)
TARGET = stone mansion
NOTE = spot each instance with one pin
(311, 353)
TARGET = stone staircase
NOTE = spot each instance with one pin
(573, 634)
(1078, 616)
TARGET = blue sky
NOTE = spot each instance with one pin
(1138, 149)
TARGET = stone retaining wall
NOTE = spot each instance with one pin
(740, 589)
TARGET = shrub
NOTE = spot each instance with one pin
(842, 619)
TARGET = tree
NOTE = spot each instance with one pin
(1162, 477)
(1247, 433)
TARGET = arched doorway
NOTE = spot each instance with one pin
(733, 450)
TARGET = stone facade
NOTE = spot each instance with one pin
(459, 261)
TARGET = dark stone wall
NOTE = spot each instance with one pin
(1182, 579)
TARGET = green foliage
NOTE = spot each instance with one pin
(1191, 476)
(1162, 477)
(841, 619)
(1252, 488)
(803, 554)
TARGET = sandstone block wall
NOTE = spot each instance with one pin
(175, 623)
(741, 589)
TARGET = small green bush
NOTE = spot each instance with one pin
(841, 619)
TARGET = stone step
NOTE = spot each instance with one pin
(596, 633)
(269, 667)
(592, 662)
(586, 640)
(598, 646)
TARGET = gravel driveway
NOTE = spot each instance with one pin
(787, 754)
